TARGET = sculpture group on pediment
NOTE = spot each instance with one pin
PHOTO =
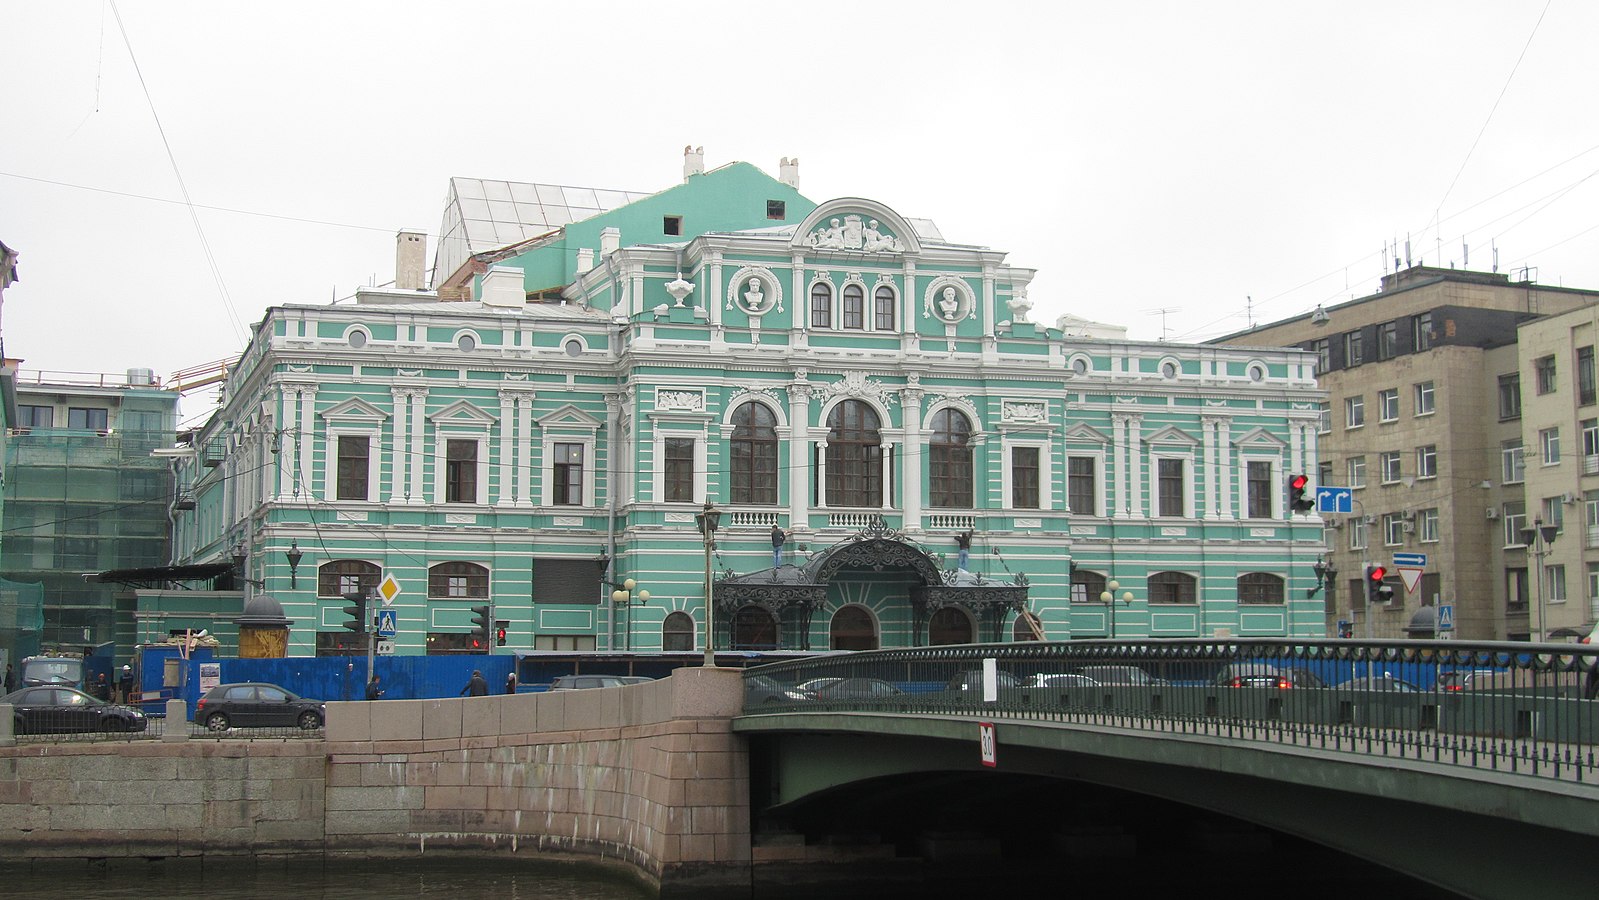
(851, 234)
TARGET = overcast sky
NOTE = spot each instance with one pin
(1141, 156)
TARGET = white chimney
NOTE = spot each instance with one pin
(585, 259)
(610, 241)
(410, 259)
(788, 172)
(693, 161)
(502, 287)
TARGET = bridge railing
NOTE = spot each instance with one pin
(1517, 707)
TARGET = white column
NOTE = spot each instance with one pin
(1224, 470)
(911, 472)
(1119, 456)
(502, 461)
(524, 451)
(885, 500)
(417, 423)
(307, 399)
(821, 474)
(1212, 470)
(799, 461)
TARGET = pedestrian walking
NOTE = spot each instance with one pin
(373, 690)
(510, 682)
(476, 686)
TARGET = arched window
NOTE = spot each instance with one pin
(884, 299)
(457, 581)
(821, 305)
(854, 456)
(338, 577)
(853, 629)
(1260, 587)
(950, 625)
(754, 450)
(1172, 587)
(854, 307)
(950, 476)
(1020, 629)
(1087, 586)
(677, 632)
(754, 629)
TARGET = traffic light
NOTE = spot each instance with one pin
(500, 628)
(356, 611)
(1299, 494)
(482, 624)
(1377, 591)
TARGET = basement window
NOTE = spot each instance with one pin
(776, 209)
(672, 225)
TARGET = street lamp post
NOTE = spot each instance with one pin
(626, 594)
(1108, 597)
(1539, 537)
(294, 555)
(707, 519)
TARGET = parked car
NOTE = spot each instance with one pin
(1384, 682)
(765, 689)
(816, 684)
(1466, 679)
(856, 689)
(1058, 680)
(1120, 675)
(62, 710)
(1267, 675)
(255, 704)
(581, 682)
(972, 680)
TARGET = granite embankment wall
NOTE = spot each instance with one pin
(650, 774)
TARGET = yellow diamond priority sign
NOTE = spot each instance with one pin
(388, 590)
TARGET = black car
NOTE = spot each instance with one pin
(257, 705)
(63, 710)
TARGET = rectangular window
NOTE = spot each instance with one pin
(1024, 477)
(1388, 340)
(1354, 353)
(1260, 488)
(1424, 399)
(1590, 446)
(1544, 368)
(1554, 513)
(1549, 445)
(1080, 490)
(1593, 584)
(1427, 525)
(1585, 377)
(678, 471)
(1322, 347)
(1323, 418)
(1354, 412)
(1393, 529)
(1515, 519)
(1513, 462)
(1357, 471)
(1427, 461)
(568, 474)
(1324, 472)
(355, 452)
(1357, 533)
(1590, 519)
(36, 417)
(1555, 583)
(672, 225)
(1510, 396)
(460, 485)
(1421, 332)
(776, 209)
(1388, 462)
(885, 309)
(1388, 404)
(1170, 476)
(1516, 588)
(88, 419)
(854, 307)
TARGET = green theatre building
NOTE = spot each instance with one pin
(539, 429)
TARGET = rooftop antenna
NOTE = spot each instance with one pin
(1465, 253)
(1494, 245)
(1162, 311)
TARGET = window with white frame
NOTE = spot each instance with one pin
(1354, 412)
(677, 469)
(883, 298)
(1427, 461)
(1427, 526)
(568, 467)
(1024, 480)
(1082, 485)
(1357, 533)
(1554, 583)
(1388, 405)
(1549, 444)
(1170, 477)
(1261, 489)
(1515, 519)
(1425, 399)
(355, 471)
(1590, 446)
(1388, 462)
(1544, 368)
(1323, 418)
(1393, 529)
(1513, 462)
(461, 475)
(1357, 471)
(1554, 513)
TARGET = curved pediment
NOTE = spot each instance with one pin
(856, 225)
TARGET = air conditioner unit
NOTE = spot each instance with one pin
(1370, 520)
(1334, 524)
(1407, 514)
(1493, 513)
(1407, 527)
(1568, 498)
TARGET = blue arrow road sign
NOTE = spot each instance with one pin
(388, 623)
(1419, 560)
(1335, 500)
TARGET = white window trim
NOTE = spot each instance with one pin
(441, 443)
(658, 470)
(1421, 532)
(1348, 404)
(1382, 416)
(1550, 594)
(1274, 494)
(1359, 534)
(1382, 468)
(1392, 519)
(1419, 475)
(1101, 509)
(1046, 477)
(1544, 443)
(547, 467)
(330, 469)
(1153, 487)
(1349, 472)
(1416, 397)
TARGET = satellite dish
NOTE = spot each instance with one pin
(1320, 317)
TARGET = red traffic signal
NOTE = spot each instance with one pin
(1376, 574)
(1299, 497)
(499, 636)
(1299, 483)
